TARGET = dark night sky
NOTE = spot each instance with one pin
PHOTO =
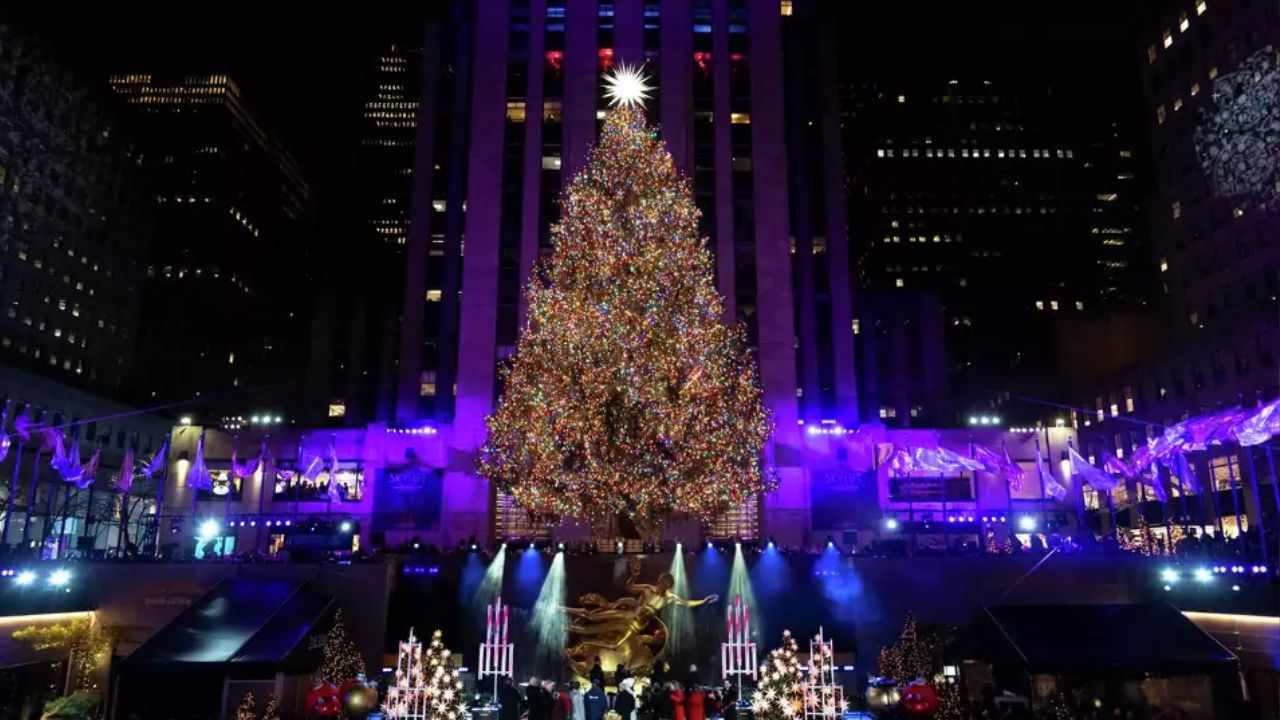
(302, 64)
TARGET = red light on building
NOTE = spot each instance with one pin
(555, 58)
(702, 60)
(606, 58)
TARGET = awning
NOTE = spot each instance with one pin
(1103, 639)
(236, 624)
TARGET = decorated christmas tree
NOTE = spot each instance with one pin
(342, 661)
(780, 693)
(426, 684)
(915, 657)
(627, 394)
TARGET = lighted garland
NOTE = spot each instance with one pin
(1238, 139)
(627, 394)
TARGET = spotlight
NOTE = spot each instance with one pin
(1167, 588)
(24, 578)
(345, 526)
(208, 529)
(1026, 523)
(1202, 575)
(710, 545)
(473, 547)
(770, 545)
(59, 578)
(1235, 588)
(891, 523)
(184, 420)
(1169, 575)
(559, 546)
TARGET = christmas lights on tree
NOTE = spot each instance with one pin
(426, 684)
(627, 395)
(342, 661)
(781, 692)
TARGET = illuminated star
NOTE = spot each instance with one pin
(626, 86)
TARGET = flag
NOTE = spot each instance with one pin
(1157, 486)
(1082, 469)
(883, 452)
(333, 472)
(941, 460)
(995, 463)
(124, 481)
(901, 463)
(1188, 474)
(198, 476)
(244, 470)
(23, 425)
(1051, 486)
(157, 462)
(309, 467)
(65, 462)
(1013, 472)
(1260, 426)
(1116, 466)
(88, 471)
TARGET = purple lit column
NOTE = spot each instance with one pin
(842, 339)
(417, 252)
(531, 208)
(786, 509)
(581, 78)
(676, 38)
(724, 159)
(466, 497)
(628, 31)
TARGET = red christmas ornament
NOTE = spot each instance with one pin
(919, 698)
(323, 701)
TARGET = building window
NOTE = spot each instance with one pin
(1151, 54)
(1177, 105)
(1079, 304)
(1201, 6)
(1128, 399)
(740, 118)
(515, 110)
(1160, 115)
(550, 162)
(1053, 304)
(433, 296)
(337, 408)
(902, 98)
(1177, 209)
(1168, 37)
(1195, 89)
(785, 7)
(898, 283)
(1183, 23)
(888, 411)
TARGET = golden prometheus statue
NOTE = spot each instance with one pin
(627, 632)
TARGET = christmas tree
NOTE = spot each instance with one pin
(910, 658)
(780, 693)
(342, 661)
(426, 685)
(627, 395)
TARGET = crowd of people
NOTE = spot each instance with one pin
(661, 698)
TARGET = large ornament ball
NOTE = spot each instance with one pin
(919, 698)
(323, 701)
(883, 695)
(359, 700)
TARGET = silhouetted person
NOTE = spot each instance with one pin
(596, 673)
(625, 703)
(595, 703)
(508, 700)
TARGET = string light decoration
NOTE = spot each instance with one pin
(1238, 139)
(823, 699)
(915, 656)
(780, 694)
(426, 684)
(627, 395)
(342, 661)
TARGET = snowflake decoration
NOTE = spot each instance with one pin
(1238, 139)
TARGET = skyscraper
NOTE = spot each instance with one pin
(75, 223)
(226, 281)
(738, 125)
(1209, 69)
(1013, 205)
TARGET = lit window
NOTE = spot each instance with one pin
(1183, 23)
(337, 408)
(888, 411)
(1079, 304)
(1195, 89)
(1151, 53)
(231, 358)
(1039, 304)
(880, 152)
(552, 110)
(1128, 399)
(898, 283)
(1177, 105)
(857, 326)
(785, 7)
(902, 98)
(1201, 6)
(1053, 304)
(740, 118)
(433, 296)
(550, 162)
(1107, 197)
(1237, 212)
(1177, 209)
(1164, 265)
(1213, 73)
(1168, 37)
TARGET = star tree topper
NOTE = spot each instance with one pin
(626, 86)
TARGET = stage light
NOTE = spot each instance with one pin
(473, 547)
(1202, 575)
(1169, 575)
(559, 546)
(1167, 588)
(769, 545)
(24, 578)
(710, 545)
(1235, 588)
(209, 529)
(59, 578)
(891, 523)
(184, 420)
(345, 526)
(1026, 523)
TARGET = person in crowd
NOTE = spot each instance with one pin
(596, 673)
(595, 703)
(621, 673)
(561, 704)
(691, 680)
(536, 700)
(661, 673)
(677, 702)
(695, 704)
(508, 700)
(625, 702)
(578, 711)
